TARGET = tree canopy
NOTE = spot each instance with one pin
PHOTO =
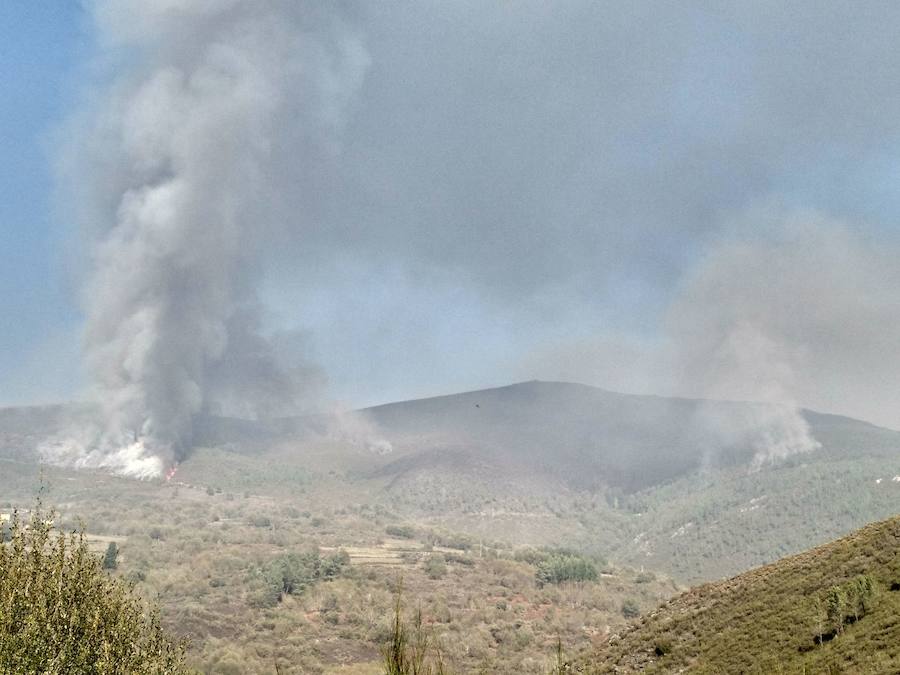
(61, 613)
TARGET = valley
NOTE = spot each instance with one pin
(457, 501)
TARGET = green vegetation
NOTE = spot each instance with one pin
(562, 567)
(709, 526)
(843, 604)
(61, 613)
(218, 578)
(436, 567)
(401, 531)
(410, 650)
(293, 573)
(827, 610)
(502, 567)
(111, 558)
(630, 609)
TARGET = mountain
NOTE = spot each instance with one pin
(672, 484)
(833, 609)
(590, 438)
(645, 480)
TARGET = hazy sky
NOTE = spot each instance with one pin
(654, 197)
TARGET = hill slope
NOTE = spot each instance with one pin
(588, 438)
(645, 480)
(583, 437)
(776, 618)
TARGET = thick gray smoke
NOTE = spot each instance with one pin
(181, 176)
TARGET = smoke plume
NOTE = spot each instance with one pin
(790, 310)
(180, 172)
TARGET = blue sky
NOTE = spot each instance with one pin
(42, 45)
(510, 191)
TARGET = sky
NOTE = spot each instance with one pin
(654, 198)
(40, 44)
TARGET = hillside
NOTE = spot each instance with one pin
(642, 480)
(589, 438)
(207, 557)
(801, 614)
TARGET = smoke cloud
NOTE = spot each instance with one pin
(502, 191)
(787, 309)
(181, 175)
(798, 309)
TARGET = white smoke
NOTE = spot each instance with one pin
(790, 310)
(357, 429)
(181, 168)
(734, 360)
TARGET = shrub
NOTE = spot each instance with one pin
(292, 573)
(436, 567)
(137, 576)
(334, 564)
(409, 650)
(60, 613)
(400, 531)
(630, 609)
(459, 559)
(662, 646)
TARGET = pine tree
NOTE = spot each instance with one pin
(111, 559)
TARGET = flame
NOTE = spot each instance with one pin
(170, 474)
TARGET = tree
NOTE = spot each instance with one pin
(835, 606)
(292, 573)
(559, 568)
(860, 593)
(60, 613)
(111, 559)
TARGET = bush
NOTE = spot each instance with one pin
(60, 613)
(630, 609)
(293, 573)
(459, 559)
(559, 568)
(334, 564)
(409, 649)
(400, 531)
(436, 567)
(662, 647)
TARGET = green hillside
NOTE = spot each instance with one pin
(803, 614)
